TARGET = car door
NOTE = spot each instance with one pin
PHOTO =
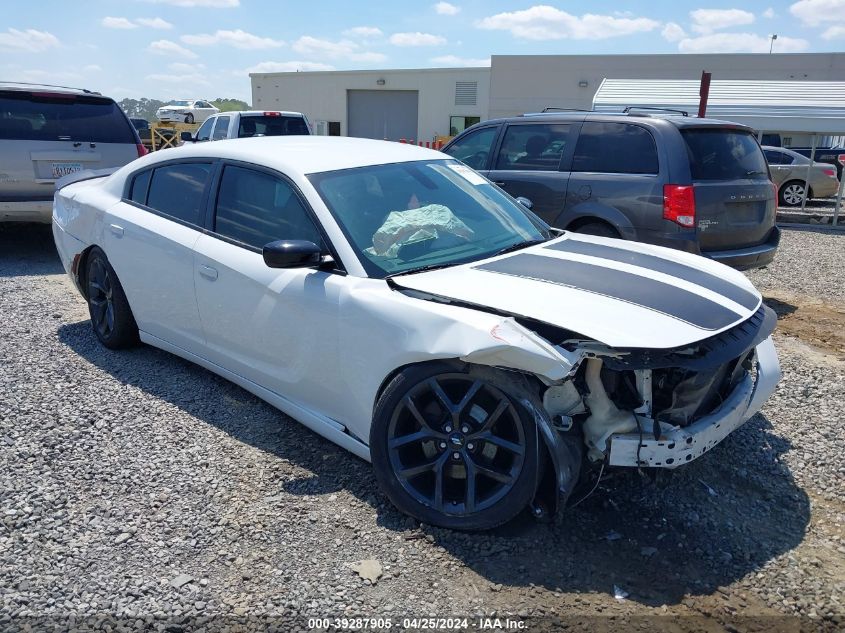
(474, 147)
(275, 327)
(778, 165)
(149, 239)
(532, 161)
(614, 179)
(221, 127)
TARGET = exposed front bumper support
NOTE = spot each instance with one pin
(683, 445)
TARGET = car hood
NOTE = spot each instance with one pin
(623, 294)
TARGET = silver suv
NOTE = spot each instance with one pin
(51, 131)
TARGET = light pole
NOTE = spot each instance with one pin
(772, 37)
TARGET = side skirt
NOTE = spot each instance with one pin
(328, 428)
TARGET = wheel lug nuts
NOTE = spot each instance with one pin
(464, 429)
(470, 446)
(456, 455)
(442, 444)
(448, 429)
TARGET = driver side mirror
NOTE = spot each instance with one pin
(188, 137)
(291, 254)
(525, 202)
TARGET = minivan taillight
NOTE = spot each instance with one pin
(142, 151)
(679, 204)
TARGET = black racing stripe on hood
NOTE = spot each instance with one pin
(642, 291)
(651, 262)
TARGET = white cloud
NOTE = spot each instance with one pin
(673, 32)
(416, 39)
(166, 47)
(444, 8)
(832, 33)
(154, 23)
(118, 23)
(212, 4)
(237, 39)
(185, 69)
(740, 43)
(706, 21)
(92, 68)
(30, 40)
(363, 32)
(328, 49)
(543, 22)
(288, 67)
(189, 79)
(769, 13)
(454, 60)
(818, 12)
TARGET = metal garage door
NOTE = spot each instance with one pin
(390, 114)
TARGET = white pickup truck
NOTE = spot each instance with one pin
(249, 123)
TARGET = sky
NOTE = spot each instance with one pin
(167, 49)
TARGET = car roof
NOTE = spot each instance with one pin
(655, 118)
(303, 154)
(29, 87)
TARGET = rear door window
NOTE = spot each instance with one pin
(48, 117)
(615, 148)
(177, 190)
(724, 154)
(255, 208)
(474, 149)
(270, 125)
(534, 147)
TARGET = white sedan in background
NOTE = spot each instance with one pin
(186, 111)
(399, 304)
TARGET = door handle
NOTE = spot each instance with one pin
(208, 272)
(116, 229)
(500, 183)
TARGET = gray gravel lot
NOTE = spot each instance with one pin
(139, 487)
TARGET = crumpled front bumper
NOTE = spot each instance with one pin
(683, 445)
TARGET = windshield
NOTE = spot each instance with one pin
(409, 216)
(724, 154)
(179, 103)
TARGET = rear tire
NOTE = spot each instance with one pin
(111, 316)
(189, 118)
(453, 450)
(599, 229)
(791, 193)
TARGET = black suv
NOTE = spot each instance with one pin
(698, 185)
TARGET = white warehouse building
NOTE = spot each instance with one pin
(425, 104)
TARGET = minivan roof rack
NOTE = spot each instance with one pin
(556, 109)
(655, 109)
(28, 83)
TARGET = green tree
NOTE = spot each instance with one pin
(230, 105)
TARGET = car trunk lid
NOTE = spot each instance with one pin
(735, 202)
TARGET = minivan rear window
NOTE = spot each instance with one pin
(271, 126)
(45, 117)
(724, 154)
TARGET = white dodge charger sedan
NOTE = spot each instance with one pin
(399, 304)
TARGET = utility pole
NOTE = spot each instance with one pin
(772, 39)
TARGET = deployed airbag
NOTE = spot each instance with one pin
(415, 225)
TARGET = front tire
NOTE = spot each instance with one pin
(791, 193)
(111, 316)
(189, 118)
(452, 449)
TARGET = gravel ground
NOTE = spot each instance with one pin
(141, 491)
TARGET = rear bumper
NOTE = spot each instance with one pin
(30, 211)
(824, 188)
(70, 250)
(683, 445)
(751, 256)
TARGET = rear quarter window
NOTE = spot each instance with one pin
(724, 154)
(46, 117)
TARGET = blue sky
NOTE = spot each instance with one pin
(206, 48)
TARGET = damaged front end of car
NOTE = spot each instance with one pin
(656, 408)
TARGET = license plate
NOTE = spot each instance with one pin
(63, 169)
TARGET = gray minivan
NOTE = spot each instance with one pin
(698, 185)
(47, 132)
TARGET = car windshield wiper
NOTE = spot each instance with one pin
(517, 247)
(422, 269)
